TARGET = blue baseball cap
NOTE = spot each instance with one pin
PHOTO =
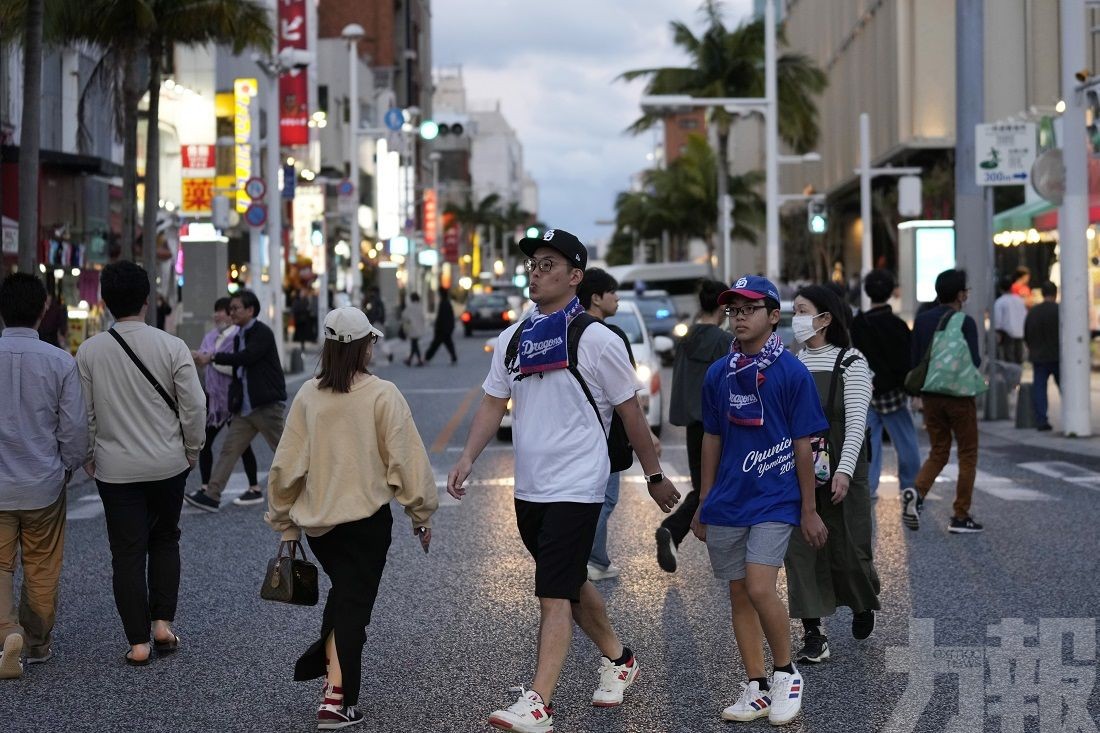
(753, 287)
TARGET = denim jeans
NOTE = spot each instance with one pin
(903, 435)
(598, 556)
(1043, 371)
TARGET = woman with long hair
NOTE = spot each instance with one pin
(842, 573)
(348, 448)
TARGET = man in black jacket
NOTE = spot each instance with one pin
(257, 398)
(886, 341)
(705, 343)
(444, 328)
(1041, 334)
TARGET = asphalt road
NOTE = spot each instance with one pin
(454, 629)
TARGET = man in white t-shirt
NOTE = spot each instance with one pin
(562, 466)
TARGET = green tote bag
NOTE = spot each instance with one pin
(950, 369)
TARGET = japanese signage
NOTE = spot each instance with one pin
(198, 180)
(1004, 153)
(450, 238)
(243, 92)
(431, 215)
(293, 86)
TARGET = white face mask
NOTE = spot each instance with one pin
(803, 327)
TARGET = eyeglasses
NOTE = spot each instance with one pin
(235, 308)
(744, 310)
(546, 264)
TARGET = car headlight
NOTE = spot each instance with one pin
(680, 330)
(644, 373)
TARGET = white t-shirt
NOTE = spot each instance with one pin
(561, 453)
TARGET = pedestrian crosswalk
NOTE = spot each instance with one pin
(89, 506)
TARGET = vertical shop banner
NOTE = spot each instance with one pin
(294, 85)
(198, 180)
(431, 214)
(243, 92)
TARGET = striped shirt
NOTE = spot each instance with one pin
(857, 397)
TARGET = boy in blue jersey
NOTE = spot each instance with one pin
(760, 408)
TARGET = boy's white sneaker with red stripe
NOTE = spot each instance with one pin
(614, 679)
(786, 693)
(528, 714)
(751, 705)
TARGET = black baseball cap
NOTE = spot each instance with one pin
(562, 241)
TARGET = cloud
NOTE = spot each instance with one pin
(553, 67)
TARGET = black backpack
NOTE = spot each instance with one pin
(619, 449)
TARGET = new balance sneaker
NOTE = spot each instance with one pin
(910, 512)
(335, 717)
(666, 550)
(815, 648)
(863, 623)
(786, 694)
(751, 705)
(966, 525)
(595, 572)
(249, 498)
(614, 679)
(528, 714)
(200, 500)
(11, 667)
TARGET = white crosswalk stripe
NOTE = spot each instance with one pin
(90, 506)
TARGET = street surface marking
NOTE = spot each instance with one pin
(91, 506)
(1062, 470)
(444, 437)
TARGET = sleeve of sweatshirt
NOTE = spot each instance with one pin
(289, 467)
(191, 401)
(408, 469)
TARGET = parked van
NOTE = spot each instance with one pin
(679, 279)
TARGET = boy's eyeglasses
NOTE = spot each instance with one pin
(744, 310)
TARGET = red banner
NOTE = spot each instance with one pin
(431, 216)
(294, 85)
(198, 179)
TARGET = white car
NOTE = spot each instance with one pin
(646, 350)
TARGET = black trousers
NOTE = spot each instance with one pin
(353, 556)
(441, 340)
(206, 457)
(414, 350)
(679, 522)
(143, 530)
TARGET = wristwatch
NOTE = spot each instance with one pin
(655, 478)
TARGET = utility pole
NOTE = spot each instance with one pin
(352, 33)
(973, 204)
(1073, 220)
(771, 144)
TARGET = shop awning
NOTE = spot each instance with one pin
(1022, 216)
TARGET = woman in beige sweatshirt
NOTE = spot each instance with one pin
(349, 447)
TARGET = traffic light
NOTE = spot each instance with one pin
(430, 129)
(816, 219)
(1092, 119)
(533, 232)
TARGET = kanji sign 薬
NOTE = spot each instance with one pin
(197, 174)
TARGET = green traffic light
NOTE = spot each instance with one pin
(818, 224)
(532, 232)
(429, 130)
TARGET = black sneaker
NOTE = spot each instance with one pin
(250, 497)
(966, 525)
(333, 717)
(200, 500)
(863, 623)
(666, 550)
(910, 509)
(1044, 427)
(815, 648)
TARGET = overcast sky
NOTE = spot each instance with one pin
(553, 66)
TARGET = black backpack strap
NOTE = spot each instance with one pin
(152, 380)
(834, 379)
(511, 353)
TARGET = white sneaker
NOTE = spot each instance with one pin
(595, 572)
(751, 705)
(786, 694)
(11, 668)
(528, 714)
(614, 679)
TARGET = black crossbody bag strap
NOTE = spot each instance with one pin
(152, 380)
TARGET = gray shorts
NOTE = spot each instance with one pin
(731, 547)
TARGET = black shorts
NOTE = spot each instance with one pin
(559, 536)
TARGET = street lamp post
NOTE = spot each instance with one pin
(352, 33)
(771, 145)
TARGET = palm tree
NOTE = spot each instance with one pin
(725, 63)
(470, 216)
(512, 217)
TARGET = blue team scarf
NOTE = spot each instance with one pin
(745, 377)
(543, 344)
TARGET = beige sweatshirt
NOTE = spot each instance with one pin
(343, 456)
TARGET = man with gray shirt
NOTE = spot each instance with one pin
(146, 426)
(44, 437)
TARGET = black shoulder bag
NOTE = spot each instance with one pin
(290, 579)
(148, 375)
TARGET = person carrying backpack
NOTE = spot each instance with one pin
(563, 402)
(948, 409)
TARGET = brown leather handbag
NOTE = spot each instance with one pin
(290, 579)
